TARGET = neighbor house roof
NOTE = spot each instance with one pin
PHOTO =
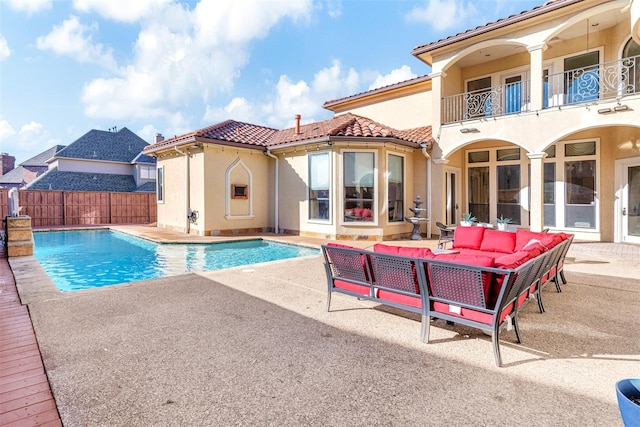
(522, 16)
(345, 125)
(84, 181)
(40, 160)
(17, 177)
(121, 146)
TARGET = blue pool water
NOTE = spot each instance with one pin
(93, 258)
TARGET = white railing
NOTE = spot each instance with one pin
(491, 102)
(598, 82)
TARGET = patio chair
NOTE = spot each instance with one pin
(446, 235)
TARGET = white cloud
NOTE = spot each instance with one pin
(29, 6)
(74, 39)
(335, 8)
(443, 15)
(183, 55)
(121, 10)
(6, 131)
(291, 98)
(395, 76)
(4, 48)
(31, 129)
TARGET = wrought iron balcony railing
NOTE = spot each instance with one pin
(491, 102)
(599, 82)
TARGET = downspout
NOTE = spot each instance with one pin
(187, 227)
(275, 208)
(424, 153)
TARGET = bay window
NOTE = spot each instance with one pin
(319, 191)
(359, 186)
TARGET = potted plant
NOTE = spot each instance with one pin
(467, 219)
(502, 222)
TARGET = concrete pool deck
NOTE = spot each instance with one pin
(254, 345)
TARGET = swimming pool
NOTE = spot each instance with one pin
(94, 258)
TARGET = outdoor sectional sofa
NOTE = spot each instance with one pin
(470, 284)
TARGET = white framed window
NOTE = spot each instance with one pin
(395, 187)
(319, 191)
(359, 186)
(160, 184)
(147, 172)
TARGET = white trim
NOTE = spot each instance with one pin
(404, 186)
(160, 170)
(621, 200)
(341, 220)
(329, 220)
(227, 200)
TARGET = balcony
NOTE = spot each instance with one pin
(604, 81)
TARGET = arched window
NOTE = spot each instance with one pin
(631, 66)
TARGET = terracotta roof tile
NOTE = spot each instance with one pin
(345, 125)
(503, 22)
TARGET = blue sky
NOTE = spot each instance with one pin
(170, 67)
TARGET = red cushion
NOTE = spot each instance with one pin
(498, 241)
(524, 236)
(468, 237)
(353, 287)
(386, 249)
(367, 213)
(512, 260)
(399, 298)
(357, 212)
(415, 252)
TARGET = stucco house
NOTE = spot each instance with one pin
(534, 117)
(100, 160)
(347, 177)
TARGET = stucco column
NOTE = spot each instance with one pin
(537, 89)
(536, 210)
(436, 101)
(438, 193)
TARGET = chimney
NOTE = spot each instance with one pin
(8, 163)
(297, 124)
(158, 138)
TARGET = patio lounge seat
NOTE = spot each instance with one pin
(446, 235)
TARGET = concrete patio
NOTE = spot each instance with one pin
(254, 345)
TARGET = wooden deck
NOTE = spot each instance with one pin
(25, 394)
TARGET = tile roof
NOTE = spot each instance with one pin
(548, 6)
(229, 131)
(348, 126)
(122, 146)
(83, 181)
(376, 91)
(41, 159)
(345, 125)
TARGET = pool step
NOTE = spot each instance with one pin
(19, 236)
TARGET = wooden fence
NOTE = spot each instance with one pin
(54, 208)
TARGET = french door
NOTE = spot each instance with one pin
(629, 213)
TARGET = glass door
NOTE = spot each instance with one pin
(453, 196)
(631, 204)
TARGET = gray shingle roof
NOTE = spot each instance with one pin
(14, 176)
(122, 146)
(148, 187)
(143, 158)
(41, 159)
(83, 181)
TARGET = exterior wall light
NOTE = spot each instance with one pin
(604, 110)
(621, 107)
(469, 130)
